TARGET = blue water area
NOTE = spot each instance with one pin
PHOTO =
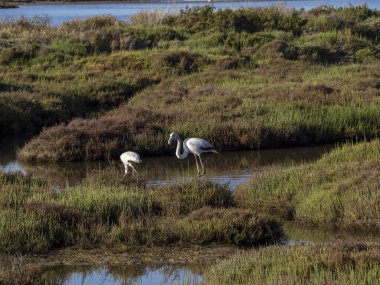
(59, 13)
(131, 275)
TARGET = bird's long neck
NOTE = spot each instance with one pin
(185, 152)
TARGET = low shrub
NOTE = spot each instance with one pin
(181, 62)
(18, 53)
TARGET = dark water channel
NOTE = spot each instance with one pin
(232, 168)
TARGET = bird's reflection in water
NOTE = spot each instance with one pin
(229, 167)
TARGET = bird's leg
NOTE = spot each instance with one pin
(203, 169)
(126, 169)
(196, 162)
(133, 168)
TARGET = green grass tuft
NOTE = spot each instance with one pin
(340, 190)
(36, 219)
(331, 263)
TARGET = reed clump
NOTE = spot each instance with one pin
(331, 263)
(36, 219)
(340, 190)
(17, 270)
(151, 18)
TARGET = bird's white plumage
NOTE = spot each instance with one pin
(195, 146)
(198, 146)
(128, 157)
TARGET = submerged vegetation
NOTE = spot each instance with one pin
(36, 219)
(340, 190)
(243, 79)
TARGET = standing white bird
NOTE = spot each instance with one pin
(127, 158)
(191, 145)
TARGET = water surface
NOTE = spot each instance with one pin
(59, 13)
(232, 168)
(123, 274)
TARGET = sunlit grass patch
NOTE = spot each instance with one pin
(336, 263)
(340, 190)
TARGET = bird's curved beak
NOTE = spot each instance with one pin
(170, 141)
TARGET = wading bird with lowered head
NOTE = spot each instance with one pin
(127, 158)
(191, 145)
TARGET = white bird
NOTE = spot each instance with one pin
(191, 145)
(127, 158)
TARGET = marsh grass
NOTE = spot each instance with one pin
(243, 79)
(68, 71)
(331, 263)
(151, 18)
(17, 270)
(254, 110)
(339, 190)
(6, 5)
(35, 219)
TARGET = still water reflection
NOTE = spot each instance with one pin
(231, 168)
(125, 274)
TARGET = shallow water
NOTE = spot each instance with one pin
(124, 11)
(232, 168)
(127, 274)
(176, 274)
(296, 234)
